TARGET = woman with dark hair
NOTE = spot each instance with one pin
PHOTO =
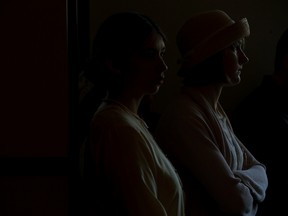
(220, 176)
(125, 170)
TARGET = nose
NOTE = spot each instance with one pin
(162, 65)
(243, 59)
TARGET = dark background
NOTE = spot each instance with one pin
(42, 47)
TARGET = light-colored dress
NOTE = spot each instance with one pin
(220, 176)
(139, 179)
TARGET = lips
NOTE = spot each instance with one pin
(160, 80)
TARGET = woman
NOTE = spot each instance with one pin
(220, 176)
(123, 163)
(261, 121)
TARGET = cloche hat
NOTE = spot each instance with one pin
(207, 33)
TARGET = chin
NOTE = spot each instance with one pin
(154, 90)
(233, 82)
(237, 80)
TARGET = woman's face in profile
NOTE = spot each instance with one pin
(234, 59)
(146, 66)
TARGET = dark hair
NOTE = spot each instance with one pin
(117, 37)
(208, 72)
(281, 51)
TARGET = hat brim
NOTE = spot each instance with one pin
(214, 44)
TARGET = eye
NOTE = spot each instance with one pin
(234, 46)
(147, 54)
(237, 46)
(151, 54)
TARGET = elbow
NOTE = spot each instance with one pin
(241, 203)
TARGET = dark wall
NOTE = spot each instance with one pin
(40, 49)
(34, 79)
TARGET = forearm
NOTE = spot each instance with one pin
(255, 178)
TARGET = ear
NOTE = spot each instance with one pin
(112, 67)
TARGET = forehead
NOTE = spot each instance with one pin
(154, 41)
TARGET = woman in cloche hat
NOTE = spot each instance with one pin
(219, 174)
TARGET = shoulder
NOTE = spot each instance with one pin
(115, 125)
(182, 117)
(110, 116)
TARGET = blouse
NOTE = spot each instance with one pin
(139, 180)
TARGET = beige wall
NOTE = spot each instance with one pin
(267, 20)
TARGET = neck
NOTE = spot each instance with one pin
(212, 94)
